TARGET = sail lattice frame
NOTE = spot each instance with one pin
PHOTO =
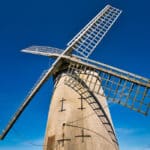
(116, 88)
(91, 35)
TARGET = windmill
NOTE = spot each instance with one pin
(79, 116)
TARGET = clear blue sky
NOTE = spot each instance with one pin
(54, 23)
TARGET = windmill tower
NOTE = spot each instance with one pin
(79, 116)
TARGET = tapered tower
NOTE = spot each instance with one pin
(75, 120)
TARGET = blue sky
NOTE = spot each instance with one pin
(54, 23)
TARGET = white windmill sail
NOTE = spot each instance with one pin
(91, 35)
(44, 51)
(122, 87)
